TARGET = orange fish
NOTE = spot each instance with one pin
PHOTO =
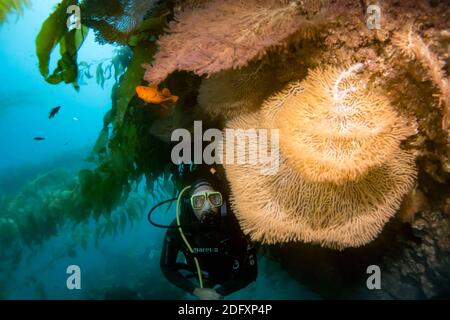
(152, 94)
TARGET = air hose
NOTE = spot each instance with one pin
(197, 264)
(149, 216)
(179, 227)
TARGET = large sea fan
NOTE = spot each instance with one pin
(342, 174)
(334, 127)
(225, 34)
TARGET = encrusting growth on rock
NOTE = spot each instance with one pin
(413, 47)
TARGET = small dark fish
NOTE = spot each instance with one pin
(54, 112)
(38, 138)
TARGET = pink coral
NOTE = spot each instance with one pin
(225, 34)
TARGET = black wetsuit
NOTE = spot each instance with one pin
(226, 256)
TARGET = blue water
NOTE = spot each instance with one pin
(131, 259)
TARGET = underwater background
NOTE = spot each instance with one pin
(120, 266)
(85, 155)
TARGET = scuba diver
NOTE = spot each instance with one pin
(215, 249)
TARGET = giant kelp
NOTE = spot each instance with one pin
(125, 154)
(12, 6)
(46, 205)
(105, 69)
(54, 32)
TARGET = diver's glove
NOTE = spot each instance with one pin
(206, 294)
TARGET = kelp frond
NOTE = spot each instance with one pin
(53, 33)
(12, 6)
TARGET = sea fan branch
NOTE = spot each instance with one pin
(227, 34)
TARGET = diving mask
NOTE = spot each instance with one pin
(198, 200)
